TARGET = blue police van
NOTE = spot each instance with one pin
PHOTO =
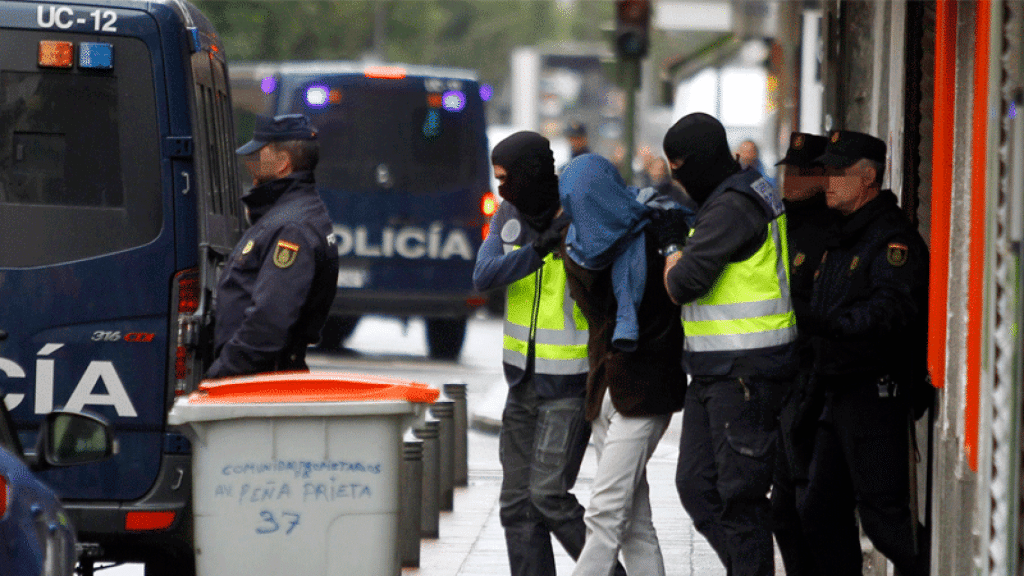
(118, 201)
(405, 174)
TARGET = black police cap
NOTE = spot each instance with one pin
(575, 129)
(278, 129)
(845, 147)
(804, 150)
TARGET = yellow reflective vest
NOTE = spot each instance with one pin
(539, 308)
(748, 309)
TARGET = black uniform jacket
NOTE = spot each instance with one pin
(810, 224)
(277, 286)
(868, 310)
(644, 382)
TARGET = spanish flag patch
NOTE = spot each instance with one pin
(285, 253)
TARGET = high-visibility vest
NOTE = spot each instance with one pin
(748, 309)
(539, 308)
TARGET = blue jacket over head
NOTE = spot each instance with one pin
(607, 230)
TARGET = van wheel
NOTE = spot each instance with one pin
(444, 337)
(335, 331)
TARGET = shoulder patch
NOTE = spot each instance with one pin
(285, 253)
(896, 254)
(511, 230)
(799, 259)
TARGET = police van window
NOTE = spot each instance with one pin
(393, 134)
(79, 157)
(50, 163)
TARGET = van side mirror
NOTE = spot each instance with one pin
(70, 438)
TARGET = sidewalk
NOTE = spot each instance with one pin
(472, 542)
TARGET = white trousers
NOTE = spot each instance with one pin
(618, 517)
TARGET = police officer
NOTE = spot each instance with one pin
(809, 222)
(277, 285)
(543, 433)
(867, 323)
(730, 276)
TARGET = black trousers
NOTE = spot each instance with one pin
(726, 460)
(861, 461)
(797, 424)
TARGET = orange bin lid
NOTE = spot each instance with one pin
(278, 387)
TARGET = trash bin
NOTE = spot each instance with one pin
(298, 472)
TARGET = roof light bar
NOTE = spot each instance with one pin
(56, 54)
(96, 55)
(387, 72)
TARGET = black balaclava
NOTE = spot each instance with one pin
(699, 141)
(530, 185)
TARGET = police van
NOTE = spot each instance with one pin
(118, 200)
(404, 172)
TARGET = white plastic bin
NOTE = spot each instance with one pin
(298, 473)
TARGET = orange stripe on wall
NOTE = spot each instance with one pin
(976, 250)
(942, 185)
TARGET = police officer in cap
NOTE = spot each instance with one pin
(866, 319)
(809, 222)
(277, 286)
(730, 276)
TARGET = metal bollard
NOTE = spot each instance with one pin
(444, 410)
(409, 511)
(457, 392)
(429, 513)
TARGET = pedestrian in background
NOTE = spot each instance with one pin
(277, 286)
(543, 432)
(579, 142)
(749, 156)
(809, 222)
(867, 320)
(731, 278)
(635, 381)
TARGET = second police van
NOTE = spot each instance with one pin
(405, 174)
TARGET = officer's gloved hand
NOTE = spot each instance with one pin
(669, 227)
(549, 239)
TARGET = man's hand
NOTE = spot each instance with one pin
(669, 227)
(670, 261)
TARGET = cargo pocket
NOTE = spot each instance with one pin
(747, 456)
(748, 463)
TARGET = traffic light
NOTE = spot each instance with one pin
(632, 21)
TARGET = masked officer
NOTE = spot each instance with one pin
(731, 277)
(278, 284)
(543, 431)
(809, 223)
(867, 320)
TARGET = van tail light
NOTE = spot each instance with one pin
(142, 521)
(5, 496)
(488, 206)
(186, 302)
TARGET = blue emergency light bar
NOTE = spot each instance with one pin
(96, 55)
